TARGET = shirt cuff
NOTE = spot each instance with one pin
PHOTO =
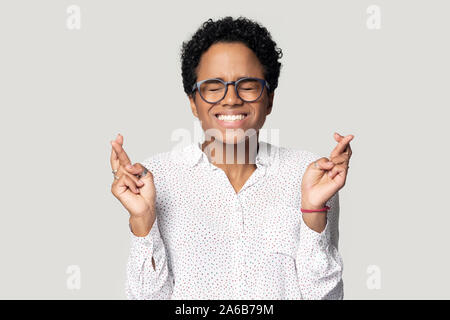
(148, 244)
(312, 240)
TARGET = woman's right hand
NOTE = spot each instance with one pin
(136, 194)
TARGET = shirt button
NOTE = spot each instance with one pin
(147, 243)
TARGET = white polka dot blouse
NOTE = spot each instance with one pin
(209, 242)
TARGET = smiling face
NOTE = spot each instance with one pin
(230, 119)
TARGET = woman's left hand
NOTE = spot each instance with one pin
(324, 177)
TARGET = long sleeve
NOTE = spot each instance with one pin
(318, 262)
(143, 281)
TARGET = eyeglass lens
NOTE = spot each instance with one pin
(214, 90)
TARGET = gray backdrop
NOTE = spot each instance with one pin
(380, 73)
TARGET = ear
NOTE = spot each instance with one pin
(193, 105)
(270, 103)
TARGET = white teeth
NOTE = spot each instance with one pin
(233, 117)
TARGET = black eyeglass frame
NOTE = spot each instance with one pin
(235, 83)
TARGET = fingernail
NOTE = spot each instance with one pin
(129, 166)
(329, 173)
(140, 182)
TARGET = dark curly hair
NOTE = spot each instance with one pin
(251, 33)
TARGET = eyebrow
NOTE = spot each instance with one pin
(236, 79)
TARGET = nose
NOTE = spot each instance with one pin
(231, 98)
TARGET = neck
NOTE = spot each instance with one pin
(223, 155)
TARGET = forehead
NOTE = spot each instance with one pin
(229, 61)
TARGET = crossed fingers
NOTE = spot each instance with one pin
(118, 155)
(120, 160)
(342, 153)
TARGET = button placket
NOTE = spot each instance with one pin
(243, 265)
(239, 216)
(241, 244)
(240, 268)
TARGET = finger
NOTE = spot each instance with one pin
(343, 141)
(322, 164)
(147, 178)
(337, 137)
(343, 157)
(135, 179)
(348, 150)
(119, 139)
(121, 154)
(118, 187)
(341, 145)
(337, 169)
(128, 182)
(136, 168)
(114, 160)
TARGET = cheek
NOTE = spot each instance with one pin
(202, 112)
(261, 114)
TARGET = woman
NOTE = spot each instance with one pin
(232, 217)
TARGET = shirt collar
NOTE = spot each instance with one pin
(194, 155)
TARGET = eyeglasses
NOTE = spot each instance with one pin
(247, 89)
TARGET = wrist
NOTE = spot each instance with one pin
(314, 220)
(141, 226)
(309, 206)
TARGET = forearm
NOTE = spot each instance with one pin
(315, 220)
